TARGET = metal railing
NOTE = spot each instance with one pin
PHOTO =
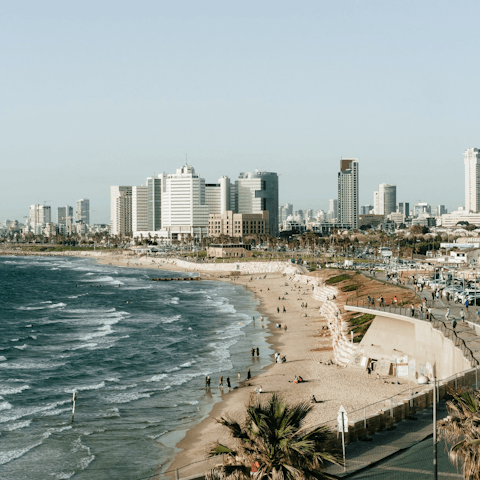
(419, 314)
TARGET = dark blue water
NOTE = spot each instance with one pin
(135, 351)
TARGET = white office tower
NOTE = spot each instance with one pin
(255, 193)
(155, 188)
(332, 209)
(376, 203)
(64, 214)
(472, 180)
(217, 196)
(386, 199)
(39, 216)
(184, 211)
(139, 208)
(121, 210)
(83, 211)
(348, 192)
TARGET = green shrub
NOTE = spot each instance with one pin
(337, 279)
(349, 288)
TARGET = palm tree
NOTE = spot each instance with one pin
(461, 429)
(275, 441)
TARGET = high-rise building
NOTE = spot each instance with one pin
(422, 208)
(255, 193)
(39, 215)
(121, 210)
(387, 199)
(83, 211)
(217, 196)
(184, 211)
(404, 207)
(332, 209)
(472, 180)
(155, 187)
(439, 210)
(140, 208)
(64, 214)
(376, 203)
(348, 192)
(366, 209)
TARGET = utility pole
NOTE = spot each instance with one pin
(435, 469)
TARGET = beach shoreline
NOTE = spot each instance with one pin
(307, 345)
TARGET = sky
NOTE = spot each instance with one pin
(101, 93)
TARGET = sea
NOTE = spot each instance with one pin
(136, 353)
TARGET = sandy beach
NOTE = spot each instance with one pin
(305, 344)
(307, 348)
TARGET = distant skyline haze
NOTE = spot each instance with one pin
(108, 93)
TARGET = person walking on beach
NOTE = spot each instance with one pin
(206, 381)
(239, 376)
(258, 352)
(284, 311)
(278, 308)
(285, 328)
(462, 315)
(249, 375)
(454, 324)
(252, 351)
(228, 382)
(220, 383)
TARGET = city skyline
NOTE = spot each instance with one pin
(291, 96)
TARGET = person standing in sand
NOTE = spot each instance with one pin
(228, 382)
(239, 376)
(249, 375)
(258, 352)
(285, 328)
(220, 383)
(252, 351)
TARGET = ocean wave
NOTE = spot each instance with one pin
(174, 301)
(31, 365)
(23, 347)
(16, 426)
(105, 279)
(8, 456)
(13, 390)
(188, 364)
(53, 305)
(123, 387)
(2, 358)
(5, 406)
(157, 378)
(154, 437)
(175, 318)
(85, 387)
(127, 397)
(63, 475)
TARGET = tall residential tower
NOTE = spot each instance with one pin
(348, 192)
(472, 180)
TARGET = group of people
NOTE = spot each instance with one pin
(253, 350)
(284, 309)
(279, 358)
(228, 384)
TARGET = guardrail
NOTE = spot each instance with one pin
(418, 314)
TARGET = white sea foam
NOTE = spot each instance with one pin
(85, 462)
(2, 358)
(8, 456)
(127, 397)
(16, 426)
(188, 364)
(34, 337)
(53, 305)
(157, 378)
(5, 406)
(13, 390)
(175, 318)
(85, 387)
(23, 347)
(123, 387)
(31, 365)
(154, 437)
(174, 301)
(63, 475)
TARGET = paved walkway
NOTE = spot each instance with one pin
(403, 453)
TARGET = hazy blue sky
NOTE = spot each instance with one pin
(106, 93)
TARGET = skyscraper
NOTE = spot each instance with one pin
(387, 199)
(472, 179)
(40, 215)
(184, 211)
(121, 210)
(217, 196)
(348, 192)
(83, 211)
(404, 207)
(64, 214)
(140, 208)
(332, 209)
(257, 192)
(155, 187)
